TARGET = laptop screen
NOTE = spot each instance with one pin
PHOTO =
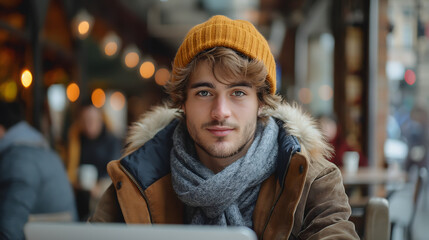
(115, 231)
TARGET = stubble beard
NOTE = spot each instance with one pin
(222, 151)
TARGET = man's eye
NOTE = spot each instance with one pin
(203, 93)
(238, 93)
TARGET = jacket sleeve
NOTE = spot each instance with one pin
(19, 183)
(108, 209)
(327, 209)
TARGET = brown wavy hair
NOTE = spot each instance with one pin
(226, 64)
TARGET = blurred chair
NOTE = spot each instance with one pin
(372, 223)
(377, 222)
(405, 203)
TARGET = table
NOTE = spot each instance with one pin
(377, 182)
(374, 176)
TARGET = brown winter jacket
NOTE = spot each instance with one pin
(303, 199)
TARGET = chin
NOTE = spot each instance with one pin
(223, 152)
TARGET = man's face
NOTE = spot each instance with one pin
(221, 118)
(91, 122)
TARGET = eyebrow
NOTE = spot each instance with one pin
(210, 85)
(201, 84)
(240, 84)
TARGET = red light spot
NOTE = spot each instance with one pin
(410, 77)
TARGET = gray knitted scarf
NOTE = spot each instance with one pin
(228, 197)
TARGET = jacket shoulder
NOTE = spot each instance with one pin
(301, 125)
(148, 126)
(151, 161)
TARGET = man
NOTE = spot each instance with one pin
(90, 143)
(32, 177)
(233, 154)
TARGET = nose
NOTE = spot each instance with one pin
(220, 108)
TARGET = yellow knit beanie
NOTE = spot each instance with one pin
(239, 35)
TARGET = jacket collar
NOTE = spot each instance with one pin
(288, 146)
(151, 161)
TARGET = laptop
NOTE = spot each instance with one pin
(115, 231)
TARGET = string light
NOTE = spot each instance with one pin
(26, 78)
(131, 59)
(111, 44)
(110, 48)
(82, 24)
(162, 76)
(131, 56)
(147, 69)
(73, 92)
(98, 98)
(83, 27)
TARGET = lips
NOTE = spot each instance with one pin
(220, 131)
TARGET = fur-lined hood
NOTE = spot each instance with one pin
(296, 122)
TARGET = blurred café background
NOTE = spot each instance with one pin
(362, 63)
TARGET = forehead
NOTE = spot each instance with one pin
(204, 71)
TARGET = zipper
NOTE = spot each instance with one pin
(278, 196)
(139, 188)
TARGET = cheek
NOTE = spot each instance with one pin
(192, 114)
(248, 110)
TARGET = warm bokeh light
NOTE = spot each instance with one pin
(111, 44)
(162, 76)
(98, 97)
(26, 78)
(132, 59)
(325, 92)
(111, 48)
(117, 101)
(8, 91)
(147, 69)
(83, 27)
(82, 23)
(73, 92)
(305, 95)
(410, 77)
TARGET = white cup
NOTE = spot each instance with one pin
(351, 161)
(87, 176)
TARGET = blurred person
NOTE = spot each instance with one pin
(415, 132)
(332, 132)
(32, 176)
(91, 146)
(227, 150)
(393, 129)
